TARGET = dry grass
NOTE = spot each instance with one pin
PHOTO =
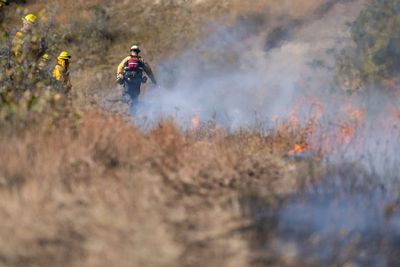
(163, 28)
(106, 194)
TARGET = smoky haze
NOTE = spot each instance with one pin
(247, 74)
(250, 72)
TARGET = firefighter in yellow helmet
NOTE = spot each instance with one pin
(130, 74)
(28, 43)
(3, 3)
(19, 39)
(61, 71)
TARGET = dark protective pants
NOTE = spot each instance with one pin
(131, 93)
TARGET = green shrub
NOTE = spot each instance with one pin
(376, 56)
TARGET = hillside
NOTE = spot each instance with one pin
(163, 28)
(257, 147)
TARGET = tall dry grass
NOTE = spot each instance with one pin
(103, 193)
(106, 194)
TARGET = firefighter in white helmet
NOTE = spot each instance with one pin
(130, 74)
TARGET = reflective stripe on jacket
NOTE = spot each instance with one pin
(146, 68)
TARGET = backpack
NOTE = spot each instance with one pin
(134, 64)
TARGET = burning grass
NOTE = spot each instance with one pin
(104, 192)
(100, 192)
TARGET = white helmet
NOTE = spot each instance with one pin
(135, 48)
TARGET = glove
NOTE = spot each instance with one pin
(120, 78)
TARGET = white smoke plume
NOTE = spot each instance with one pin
(250, 72)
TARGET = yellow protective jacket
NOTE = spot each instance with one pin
(61, 73)
(146, 68)
(2, 28)
(17, 44)
(27, 44)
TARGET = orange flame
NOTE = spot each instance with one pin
(298, 149)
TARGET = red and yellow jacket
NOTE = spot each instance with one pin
(146, 68)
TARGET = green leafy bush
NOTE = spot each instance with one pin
(375, 59)
(29, 94)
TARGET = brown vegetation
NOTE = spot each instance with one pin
(98, 191)
(98, 33)
(105, 193)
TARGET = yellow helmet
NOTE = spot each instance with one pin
(30, 18)
(64, 55)
(45, 56)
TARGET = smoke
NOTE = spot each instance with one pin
(284, 33)
(259, 68)
(245, 74)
